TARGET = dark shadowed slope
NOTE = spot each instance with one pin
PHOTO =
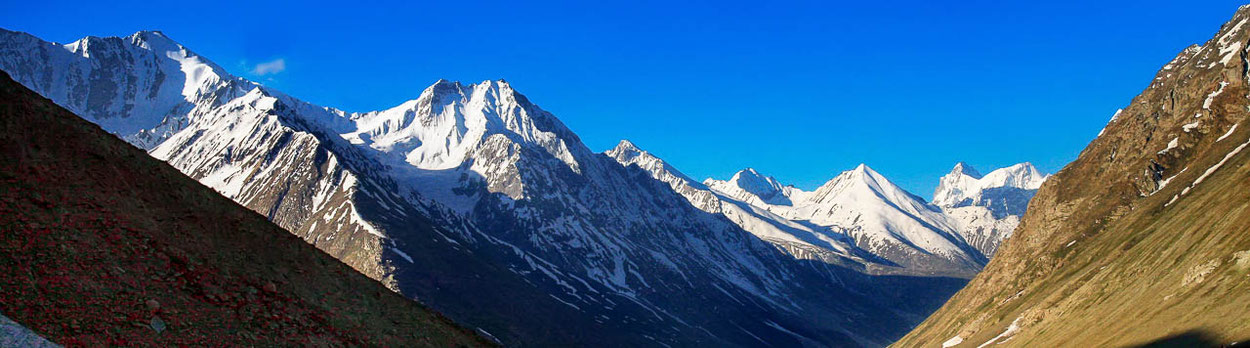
(1145, 238)
(100, 244)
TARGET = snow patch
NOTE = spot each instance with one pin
(1164, 182)
(1171, 145)
(402, 254)
(1206, 104)
(1220, 164)
(356, 219)
(1229, 52)
(954, 341)
(1190, 126)
(1209, 171)
(1011, 330)
(1230, 132)
(1114, 117)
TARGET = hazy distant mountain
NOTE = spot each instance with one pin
(1143, 237)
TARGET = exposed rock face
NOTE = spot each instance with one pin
(1143, 236)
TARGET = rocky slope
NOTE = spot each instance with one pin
(469, 189)
(104, 245)
(1143, 236)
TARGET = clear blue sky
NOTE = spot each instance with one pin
(800, 91)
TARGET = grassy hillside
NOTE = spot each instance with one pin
(101, 244)
(1144, 238)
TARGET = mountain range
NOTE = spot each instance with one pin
(473, 200)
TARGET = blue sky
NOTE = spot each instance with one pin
(800, 90)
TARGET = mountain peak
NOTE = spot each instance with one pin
(150, 34)
(451, 121)
(964, 168)
(864, 168)
(626, 151)
(750, 180)
(1024, 165)
(626, 145)
(860, 171)
(444, 83)
(154, 40)
(964, 183)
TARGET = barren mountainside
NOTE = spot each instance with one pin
(1143, 237)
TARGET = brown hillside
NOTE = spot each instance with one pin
(1145, 237)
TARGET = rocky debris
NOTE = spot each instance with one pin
(157, 324)
(152, 305)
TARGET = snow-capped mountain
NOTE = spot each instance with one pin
(911, 235)
(141, 87)
(800, 240)
(986, 209)
(860, 216)
(999, 190)
(482, 205)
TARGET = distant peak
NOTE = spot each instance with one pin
(749, 171)
(626, 146)
(150, 33)
(862, 169)
(752, 181)
(1023, 168)
(154, 38)
(965, 169)
(443, 87)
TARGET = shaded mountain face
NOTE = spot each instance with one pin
(1143, 236)
(472, 199)
(104, 245)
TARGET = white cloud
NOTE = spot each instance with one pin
(269, 68)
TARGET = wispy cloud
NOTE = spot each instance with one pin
(269, 68)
